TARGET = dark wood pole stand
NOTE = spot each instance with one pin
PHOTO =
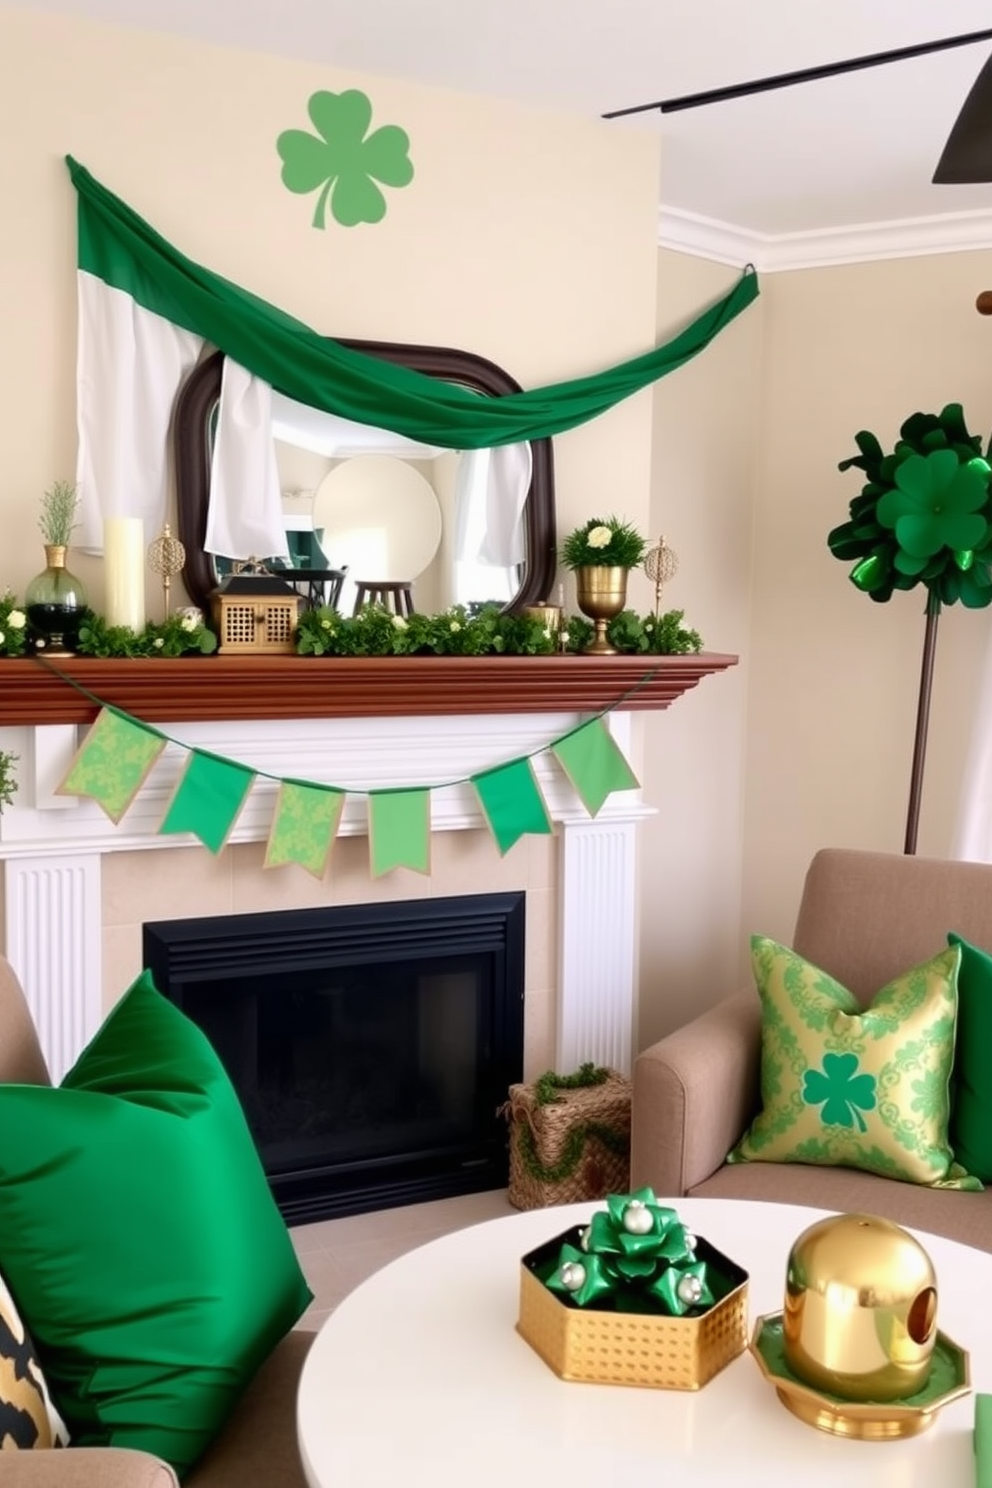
(922, 721)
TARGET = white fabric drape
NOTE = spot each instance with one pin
(130, 365)
(244, 517)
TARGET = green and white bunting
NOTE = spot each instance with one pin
(115, 758)
(512, 803)
(304, 826)
(399, 830)
(594, 763)
(112, 763)
(210, 793)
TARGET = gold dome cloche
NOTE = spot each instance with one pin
(860, 1317)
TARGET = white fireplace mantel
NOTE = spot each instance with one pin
(52, 847)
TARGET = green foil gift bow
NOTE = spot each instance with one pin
(924, 514)
(638, 1255)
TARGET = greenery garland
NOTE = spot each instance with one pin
(547, 1088)
(572, 1152)
(375, 631)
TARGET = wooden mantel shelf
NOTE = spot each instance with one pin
(220, 688)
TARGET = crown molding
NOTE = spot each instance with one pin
(911, 237)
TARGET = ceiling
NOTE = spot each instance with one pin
(836, 154)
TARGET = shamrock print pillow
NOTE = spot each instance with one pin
(849, 1086)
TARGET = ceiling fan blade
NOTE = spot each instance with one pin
(967, 157)
(804, 75)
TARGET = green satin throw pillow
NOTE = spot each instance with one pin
(139, 1235)
(846, 1086)
(971, 1107)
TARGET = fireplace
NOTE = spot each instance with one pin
(370, 1045)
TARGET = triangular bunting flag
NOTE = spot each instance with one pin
(399, 830)
(210, 793)
(594, 763)
(303, 827)
(512, 803)
(113, 762)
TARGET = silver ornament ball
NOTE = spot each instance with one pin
(689, 1290)
(572, 1276)
(637, 1220)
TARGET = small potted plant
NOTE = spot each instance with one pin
(55, 601)
(601, 553)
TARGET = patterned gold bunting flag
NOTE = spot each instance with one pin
(594, 763)
(512, 803)
(399, 830)
(304, 826)
(113, 762)
(210, 793)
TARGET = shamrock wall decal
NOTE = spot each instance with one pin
(841, 1091)
(343, 160)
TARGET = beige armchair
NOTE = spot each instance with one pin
(256, 1449)
(864, 918)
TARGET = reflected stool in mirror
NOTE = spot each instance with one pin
(395, 597)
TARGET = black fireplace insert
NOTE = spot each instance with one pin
(371, 1045)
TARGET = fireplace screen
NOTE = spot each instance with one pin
(370, 1045)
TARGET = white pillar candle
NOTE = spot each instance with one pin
(124, 571)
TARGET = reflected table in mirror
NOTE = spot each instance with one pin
(419, 1377)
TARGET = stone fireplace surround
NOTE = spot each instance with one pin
(60, 853)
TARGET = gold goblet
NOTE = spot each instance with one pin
(601, 594)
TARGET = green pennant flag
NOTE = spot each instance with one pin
(113, 762)
(208, 798)
(594, 763)
(512, 803)
(399, 830)
(303, 828)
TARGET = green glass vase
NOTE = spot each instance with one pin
(55, 605)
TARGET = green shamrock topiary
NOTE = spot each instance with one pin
(924, 515)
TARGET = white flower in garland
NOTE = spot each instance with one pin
(188, 622)
(399, 622)
(16, 620)
(598, 537)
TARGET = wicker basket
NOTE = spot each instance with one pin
(633, 1348)
(574, 1147)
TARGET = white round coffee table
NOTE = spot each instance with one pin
(419, 1379)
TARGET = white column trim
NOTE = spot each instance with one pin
(596, 949)
(53, 937)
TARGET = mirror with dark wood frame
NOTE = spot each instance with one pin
(195, 410)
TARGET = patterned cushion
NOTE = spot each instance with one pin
(846, 1086)
(27, 1416)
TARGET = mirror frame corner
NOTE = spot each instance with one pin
(191, 443)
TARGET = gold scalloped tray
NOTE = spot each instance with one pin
(865, 1420)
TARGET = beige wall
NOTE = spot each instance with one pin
(705, 453)
(526, 236)
(810, 743)
(834, 678)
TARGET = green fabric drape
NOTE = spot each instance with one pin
(119, 247)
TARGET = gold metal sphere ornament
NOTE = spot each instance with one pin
(860, 1318)
(661, 564)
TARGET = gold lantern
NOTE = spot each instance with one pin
(255, 613)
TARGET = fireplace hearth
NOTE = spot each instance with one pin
(370, 1045)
